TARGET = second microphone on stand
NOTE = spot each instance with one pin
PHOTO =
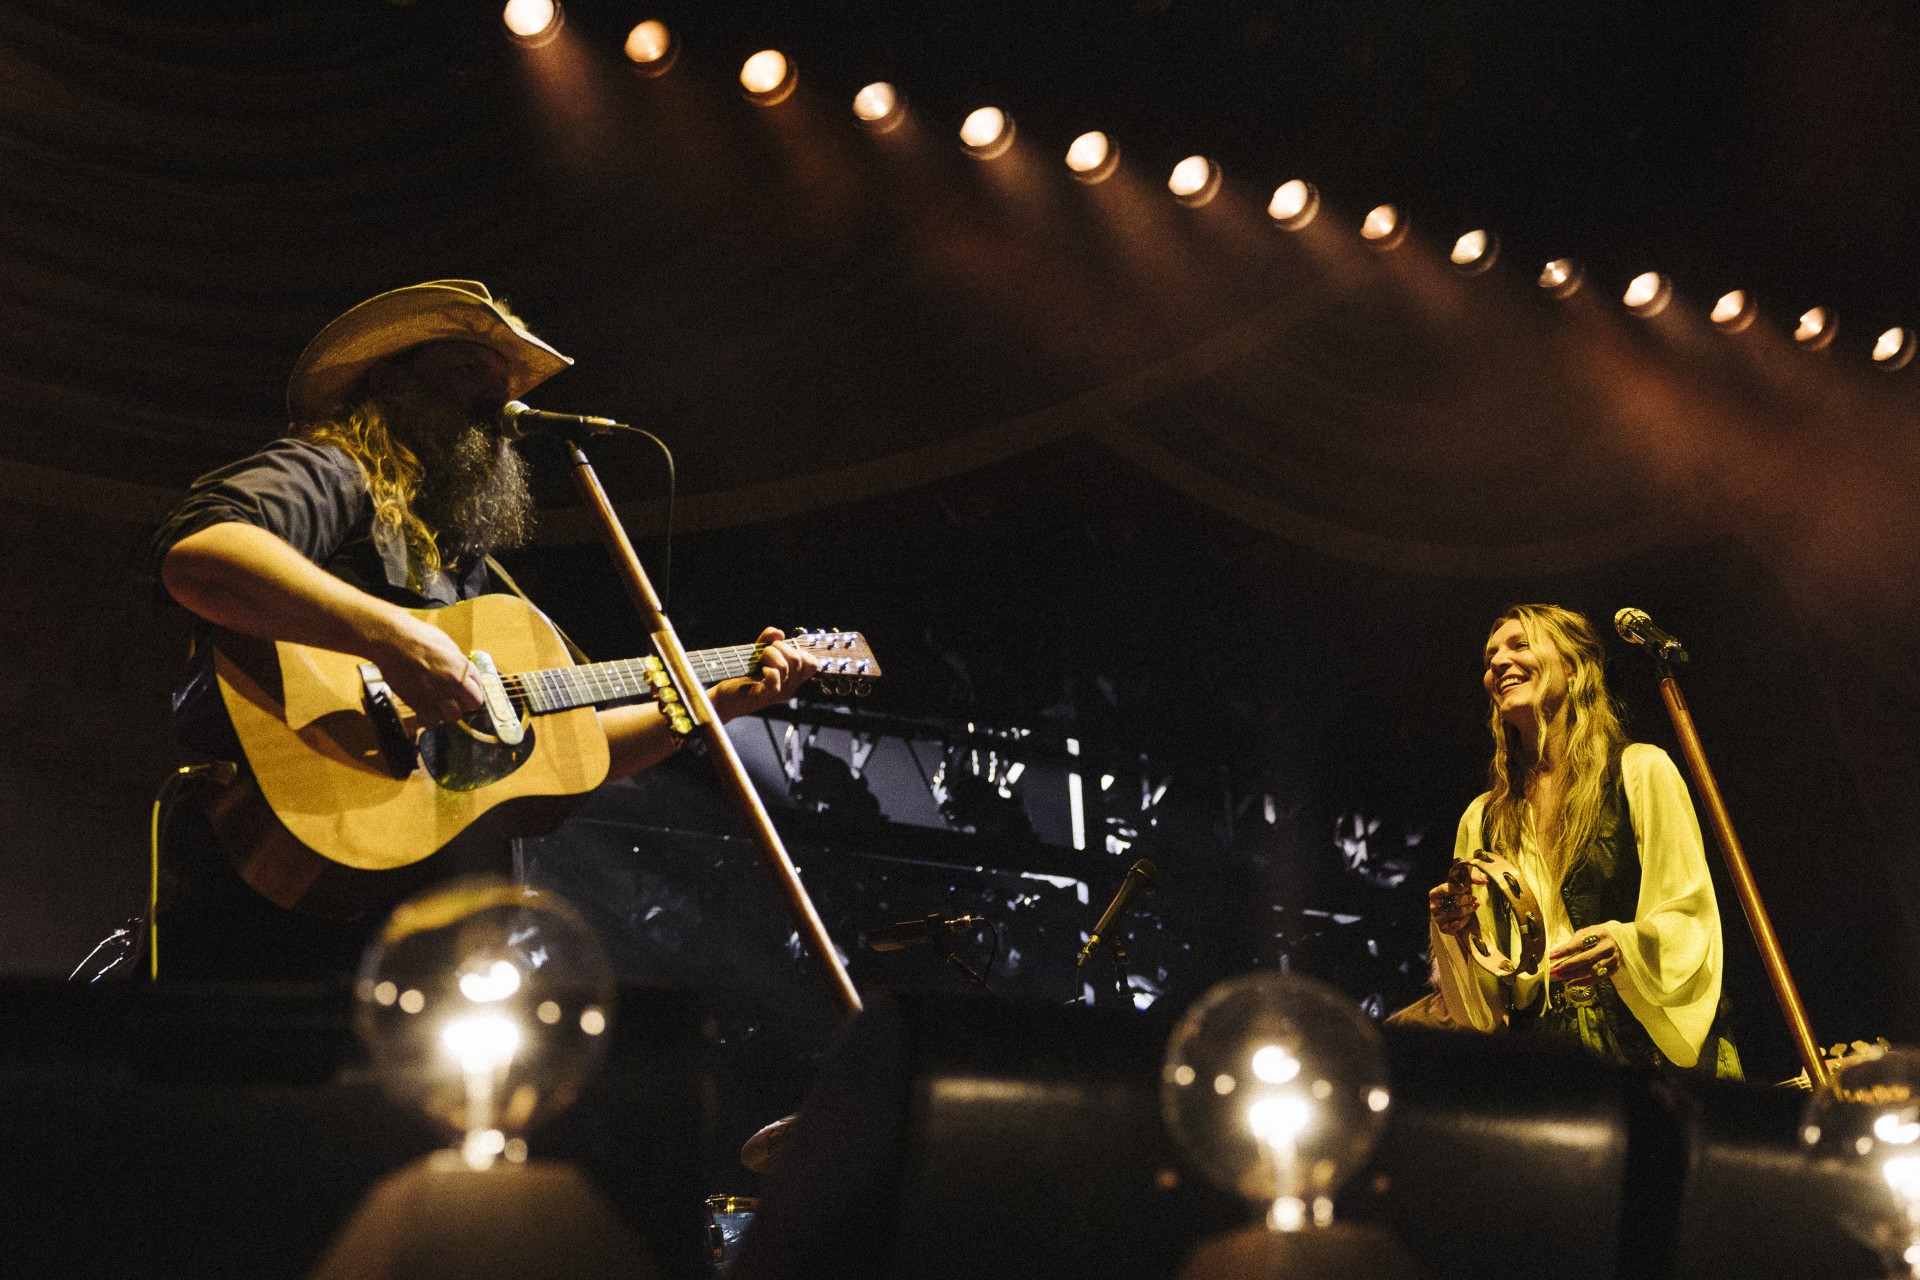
(1138, 877)
(920, 933)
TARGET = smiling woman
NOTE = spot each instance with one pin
(1603, 833)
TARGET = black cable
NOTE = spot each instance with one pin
(986, 971)
(673, 488)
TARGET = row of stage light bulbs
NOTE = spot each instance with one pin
(769, 77)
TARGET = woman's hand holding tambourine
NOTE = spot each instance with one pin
(1452, 905)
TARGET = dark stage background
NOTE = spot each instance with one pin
(1228, 507)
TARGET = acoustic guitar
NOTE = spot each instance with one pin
(343, 803)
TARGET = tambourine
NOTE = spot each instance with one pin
(1504, 878)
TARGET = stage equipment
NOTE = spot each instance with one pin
(728, 1218)
(1647, 294)
(951, 1136)
(1637, 628)
(879, 107)
(1384, 227)
(1474, 252)
(1870, 1119)
(1733, 311)
(651, 48)
(1093, 157)
(518, 420)
(1894, 349)
(1640, 1175)
(1276, 1086)
(768, 78)
(920, 933)
(1195, 181)
(1294, 204)
(1505, 880)
(1562, 277)
(1816, 329)
(937, 932)
(533, 23)
(986, 133)
(484, 1004)
(698, 716)
(1138, 877)
(225, 1129)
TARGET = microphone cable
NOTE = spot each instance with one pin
(673, 486)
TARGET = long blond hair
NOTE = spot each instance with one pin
(394, 475)
(1594, 738)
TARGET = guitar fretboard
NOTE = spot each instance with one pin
(564, 688)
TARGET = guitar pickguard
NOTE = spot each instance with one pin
(461, 757)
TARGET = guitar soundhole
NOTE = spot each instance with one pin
(461, 757)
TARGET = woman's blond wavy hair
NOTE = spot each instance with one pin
(1594, 738)
(394, 475)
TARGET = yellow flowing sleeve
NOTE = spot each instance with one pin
(1671, 951)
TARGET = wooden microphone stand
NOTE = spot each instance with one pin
(1744, 887)
(699, 709)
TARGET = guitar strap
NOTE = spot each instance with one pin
(499, 571)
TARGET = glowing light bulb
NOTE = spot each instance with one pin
(1816, 329)
(1276, 1085)
(1469, 249)
(768, 77)
(1562, 277)
(1894, 348)
(987, 132)
(648, 41)
(532, 22)
(1733, 311)
(484, 1004)
(650, 47)
(1093, 157)
(1382, 224)
(879, 107)
(1294, 204)
(1194, 181)
(1648, 294)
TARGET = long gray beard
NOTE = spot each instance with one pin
(475, 495)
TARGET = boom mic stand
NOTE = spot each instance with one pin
(1666, 652)
(699, 709)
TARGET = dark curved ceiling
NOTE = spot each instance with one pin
(810, 313)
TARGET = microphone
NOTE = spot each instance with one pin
(1636, 627)
(919, 933)
(517, 420)
(1139, 876)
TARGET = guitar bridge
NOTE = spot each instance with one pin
(396, 748)
(498, 707)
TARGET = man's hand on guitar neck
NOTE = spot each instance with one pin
(783, 669)
(638, 737)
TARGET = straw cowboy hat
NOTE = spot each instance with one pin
(329, 371)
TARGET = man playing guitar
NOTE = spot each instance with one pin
(386, 497)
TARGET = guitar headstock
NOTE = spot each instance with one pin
(847, 666)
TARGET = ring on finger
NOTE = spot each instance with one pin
(1591, 940)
